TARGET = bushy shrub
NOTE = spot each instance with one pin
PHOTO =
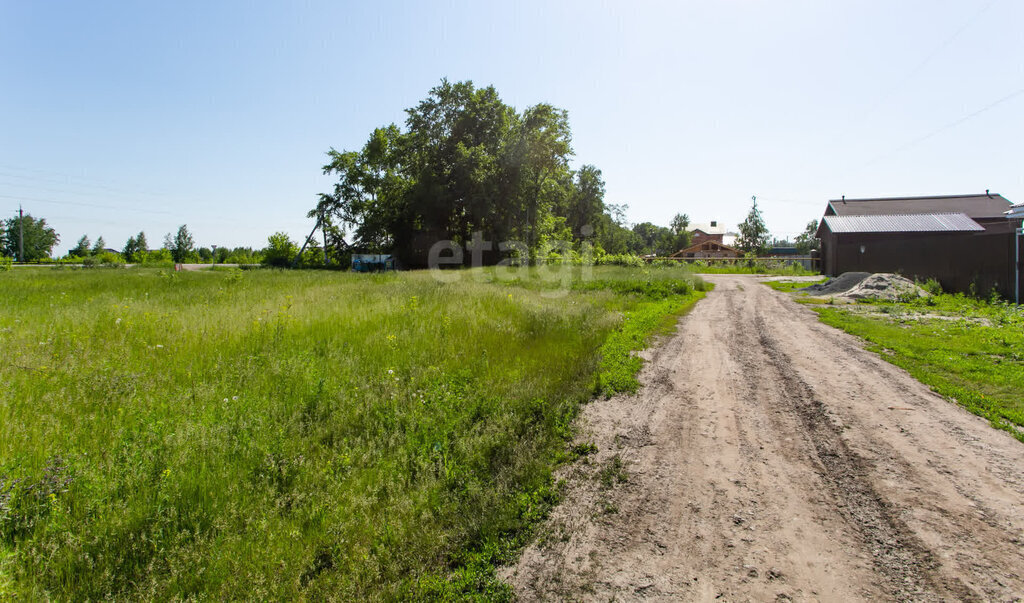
(932, 286)
(156, 258)
(621, 259)
(111, 259)
(280, 250)
(104, 260)
(5, 263)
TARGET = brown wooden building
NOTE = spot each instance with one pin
(959, 240)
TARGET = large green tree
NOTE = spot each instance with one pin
(466, 162)
(135, 248)
(585, 203)
(180, 245)
(653, 239)
(39, 238)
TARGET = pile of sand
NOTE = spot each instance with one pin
(851, 286)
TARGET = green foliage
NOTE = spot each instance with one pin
(973, 356)
(81, 249)
(105, 259)
(807, 241)
(753, 233)
(620, 259)
(244, 255)
(791, 286)
(680, 224)
(280, 250)
(619, 365)
(156, 257)
(99, 246)
(130, 249)
(6, 263)
(656, 240)
(135, 250)
(292, 435)
(466, 162)
(181, 246)
(774, 266)
(39, 238)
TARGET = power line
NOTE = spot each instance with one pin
(36, 188)
(948, 126)
(66, 180)
(892, 90)
(94, 205)
(52, 177)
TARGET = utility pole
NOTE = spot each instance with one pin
(21, 234)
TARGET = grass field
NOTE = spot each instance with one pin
(968, 350)
(282, 435)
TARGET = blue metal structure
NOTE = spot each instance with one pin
(372, 262)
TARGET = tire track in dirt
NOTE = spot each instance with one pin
(761, 461)
(900, 558)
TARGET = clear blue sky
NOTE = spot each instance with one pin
(120, 117)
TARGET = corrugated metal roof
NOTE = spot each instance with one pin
(975, 206)
(902, 223)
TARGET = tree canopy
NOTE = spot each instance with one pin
(753, 233)
(807, 240)
(466, 162)
(82, 248)
(39, 238)
(180, 245)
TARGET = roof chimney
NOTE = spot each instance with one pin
(714, 223)
(988, 194)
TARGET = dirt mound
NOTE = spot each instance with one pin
(851, 286)
(837, 285)
(885, 286)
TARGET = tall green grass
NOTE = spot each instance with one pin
(281, 435)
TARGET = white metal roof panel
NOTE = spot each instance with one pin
(950, 222)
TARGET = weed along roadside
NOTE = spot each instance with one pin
(281, 435)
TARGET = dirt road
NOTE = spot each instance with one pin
(769, 457)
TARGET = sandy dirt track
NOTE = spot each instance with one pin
(770, 457)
